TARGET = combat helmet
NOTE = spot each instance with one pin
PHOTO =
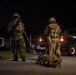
(16, 16)
(52, 20)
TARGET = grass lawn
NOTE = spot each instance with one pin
(9, 55)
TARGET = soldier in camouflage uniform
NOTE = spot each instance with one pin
(47, 60)
(43, 59)
(52, 32)
(16, 29)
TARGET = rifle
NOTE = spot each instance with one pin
(29, 42)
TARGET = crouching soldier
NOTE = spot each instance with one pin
(47, 60)
(44, 59)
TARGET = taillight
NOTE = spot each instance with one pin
(62, 38)
(40, 39)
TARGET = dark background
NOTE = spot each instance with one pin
(35, 14)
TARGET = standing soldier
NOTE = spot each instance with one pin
(16, 29)
(52, 32)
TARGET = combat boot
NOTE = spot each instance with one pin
(15, 57)
(23, 59)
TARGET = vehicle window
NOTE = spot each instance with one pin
(0, 41)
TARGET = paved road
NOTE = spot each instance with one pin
(9, 67)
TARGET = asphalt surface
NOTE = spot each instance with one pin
(9, 67)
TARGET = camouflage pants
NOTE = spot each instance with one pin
(53, 45)
(19, 46)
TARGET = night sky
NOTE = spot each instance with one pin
(35, 14)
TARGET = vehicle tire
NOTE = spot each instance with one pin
(71, 50)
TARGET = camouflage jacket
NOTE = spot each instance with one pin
(16, 31)
(52, 30)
